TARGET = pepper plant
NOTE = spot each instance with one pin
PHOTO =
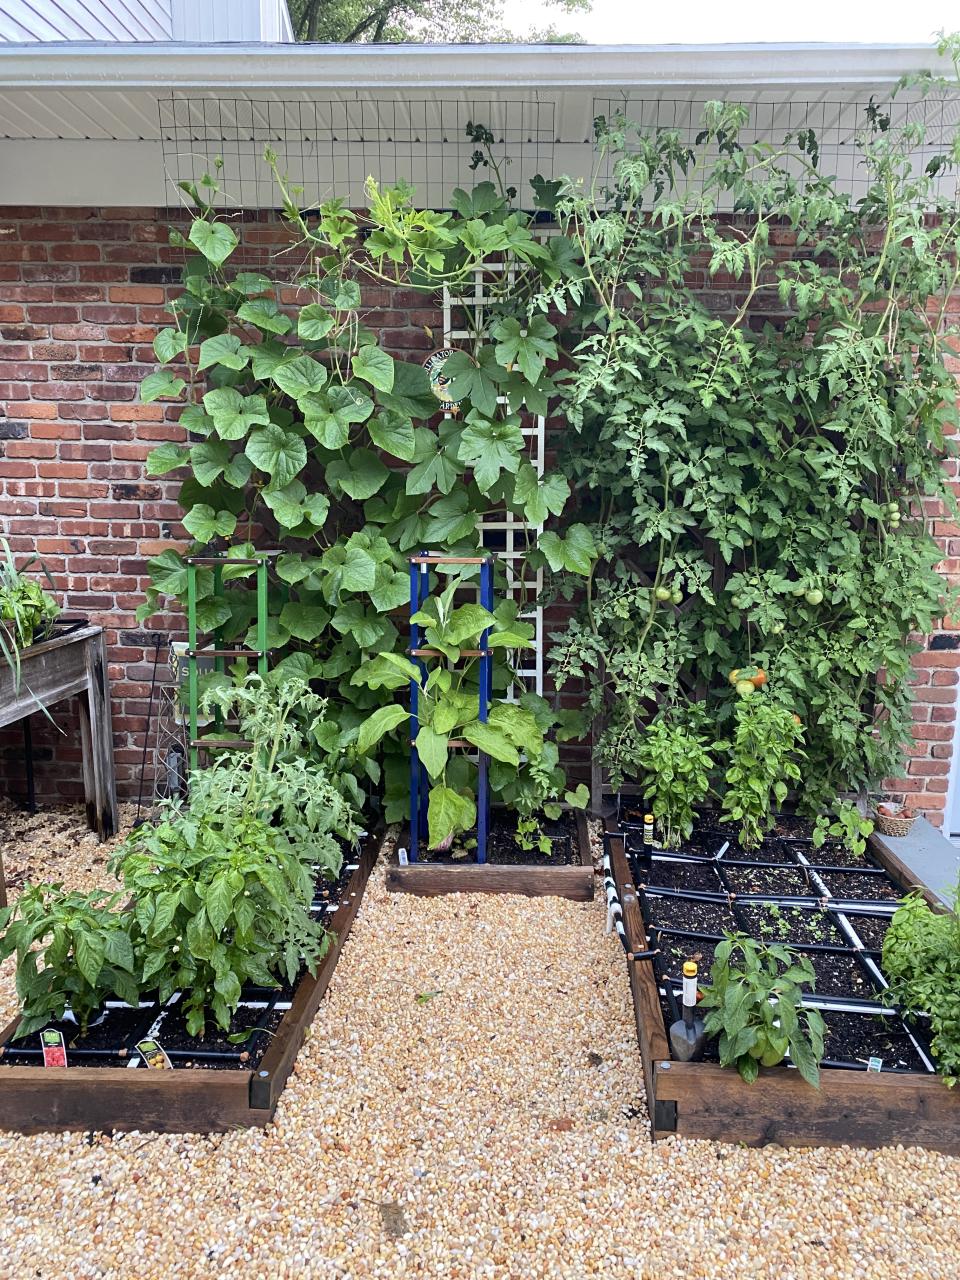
(755, 465)
(674, 760)
(755, 1008)
(764, 763)
(73, 951)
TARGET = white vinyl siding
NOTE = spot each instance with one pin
(231, 21)
(29, 21)
(141, 21)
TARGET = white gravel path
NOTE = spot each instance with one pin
(492, 1128)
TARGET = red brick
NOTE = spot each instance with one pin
(138, 293)
(928, 768)
(36, 410)
(136, 412)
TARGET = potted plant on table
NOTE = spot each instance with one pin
(27, 612)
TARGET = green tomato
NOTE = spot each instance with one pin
(745, 688)
(662, 593)
(814, 596)
(776, 629)
(676, 596)
(797, 591)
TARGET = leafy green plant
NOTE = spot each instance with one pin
(299, 771)
(27, 612)
(73, 950)
(306, 433)
(524, 768)
(674, 762)
(846, 823)
(764, 762)
(222, 890)
(921, 961)
(755, 1008)
(755, 477)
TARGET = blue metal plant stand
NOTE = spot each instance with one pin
(420, 566)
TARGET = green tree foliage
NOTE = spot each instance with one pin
(416, 21)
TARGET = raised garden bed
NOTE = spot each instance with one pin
(566, 873)
(215, 1085)
(839, 924)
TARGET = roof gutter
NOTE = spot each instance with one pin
(273, 67)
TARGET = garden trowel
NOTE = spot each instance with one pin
(686, 1034)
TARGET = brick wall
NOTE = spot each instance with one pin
(82, 292)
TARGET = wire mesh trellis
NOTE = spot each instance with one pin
(837, 126)
(328, 148)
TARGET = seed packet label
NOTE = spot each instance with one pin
(874, 1064)
(54, 1049)
(154, 1055)
(402, 857)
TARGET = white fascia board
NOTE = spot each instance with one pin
(274, 67)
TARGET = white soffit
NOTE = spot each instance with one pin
(80, 123)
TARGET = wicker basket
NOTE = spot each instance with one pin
(898, 826)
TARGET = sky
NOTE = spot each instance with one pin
(751, 21)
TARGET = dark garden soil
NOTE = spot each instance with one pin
(187, 1051)
(677, 949)
(855, 884)
(112, 1042)
(769, 922)
(780, 881)
(834, 854)
(503, 849)
(840, 974)
(854, 1037)
(108, 1044)
(690, 914)
(672, 873)
(871, 930)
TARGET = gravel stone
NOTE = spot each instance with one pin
(494, 1128)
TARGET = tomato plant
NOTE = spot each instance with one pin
(769, 452)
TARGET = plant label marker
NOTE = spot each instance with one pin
(54, 1049)
(402, 858)
(154, 1055)
(875, 1064)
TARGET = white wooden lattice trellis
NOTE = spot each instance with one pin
(504, 533)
